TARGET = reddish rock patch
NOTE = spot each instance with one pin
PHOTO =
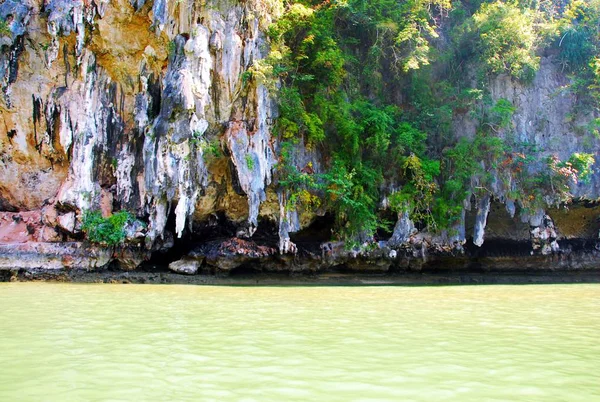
(23, 227)
(245, 247)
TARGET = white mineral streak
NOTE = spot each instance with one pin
(178, 176)
(142, 103)
(229, 66)
(483, 209)
(175, 171)
(66, 16)
(173, 157)
(248, 133)
(197, 71)
(90, 113)
(126, 161)
(252, 156)
(288, 223)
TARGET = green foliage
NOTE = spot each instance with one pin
(171, 48)
(582, 163)
(506, 39)
(295, 120)
(106, 231)
(318, 52)
(501, 113)
(401, 32)
(210, 149)
(578, 43)
(213, 149)
(301, 186)
(417, 196)
(4, 28)
(249, 161)
(352, 201)
(465, 161)
(369, 85)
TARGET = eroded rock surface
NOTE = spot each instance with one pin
(145, 106)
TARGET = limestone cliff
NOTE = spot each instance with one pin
(145, 106)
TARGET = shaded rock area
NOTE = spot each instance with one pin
(158, 275)
(220, 253)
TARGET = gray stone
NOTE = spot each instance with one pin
(67, 222)
(483, 208)
(185, 266)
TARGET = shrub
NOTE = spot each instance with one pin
(582, 163)
(106, 231)
(4, 28)
(578, 40)
(507, 40)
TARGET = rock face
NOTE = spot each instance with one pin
(52, 256)
(145, 106)
(185, 266)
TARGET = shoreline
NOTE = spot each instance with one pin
(160, 276)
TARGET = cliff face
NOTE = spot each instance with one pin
(146, 106)
(548, 116)
(113, 104)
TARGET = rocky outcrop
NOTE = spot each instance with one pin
(146, 106)
(546, 117)
(53, 256)
(186, 266)
(115, 104)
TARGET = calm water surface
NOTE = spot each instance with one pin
(137, 342)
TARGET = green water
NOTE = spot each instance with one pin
(137, 342)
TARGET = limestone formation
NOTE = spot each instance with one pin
(144, 106)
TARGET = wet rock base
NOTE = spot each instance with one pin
(582, 266)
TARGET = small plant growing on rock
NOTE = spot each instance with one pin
(211, 150)
(106, 231)
(582, 163)
(4, 28)
(250, 161)
(171, 48)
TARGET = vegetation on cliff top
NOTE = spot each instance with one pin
(375, 85)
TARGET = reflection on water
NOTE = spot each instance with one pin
(137, 342)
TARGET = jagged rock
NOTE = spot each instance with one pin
(232, 253)
(543, 236)
(67, 222)
(403, 230)
(122, 105)
(130, 258)
(186, 266)
(483, 208)
(25, 227)
(135, 230)
(16, 14)
(41, 255)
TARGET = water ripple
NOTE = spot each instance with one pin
(120, 342)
